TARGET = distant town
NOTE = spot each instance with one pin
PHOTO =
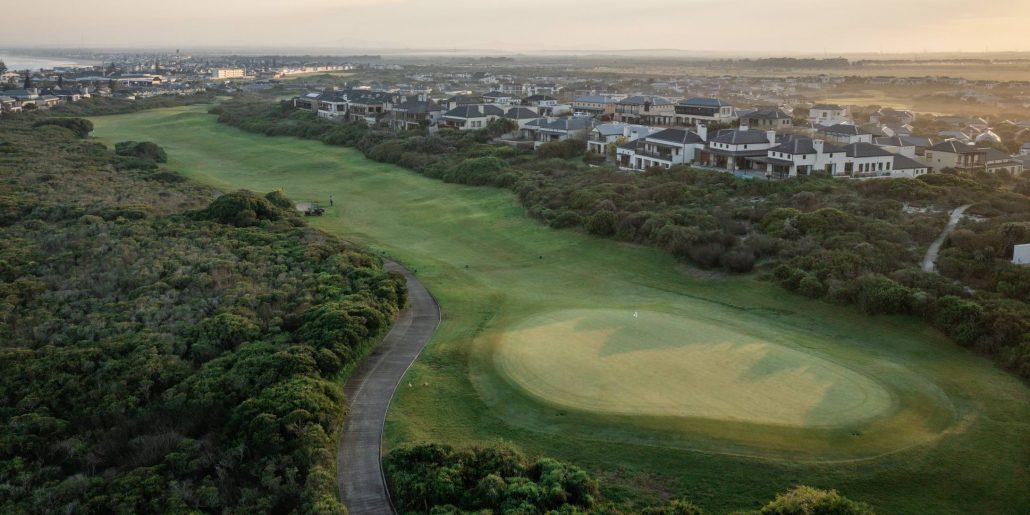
(760, 127)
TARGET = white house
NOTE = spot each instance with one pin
(544, 130)
(845, 134)
(703, 110)
(1025, 149)
(866, 159)
(907, 167)
(798, 155)
(618, 133)
(500, 99)
(828, 114)
(896, 145)
(470, 117)
(667, 147)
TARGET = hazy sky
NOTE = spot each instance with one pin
(768, 26)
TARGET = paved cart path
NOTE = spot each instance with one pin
(360, 479)
(930, 261)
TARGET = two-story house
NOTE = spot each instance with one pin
(845, 134)
(956, 155)
(646, 110)
(799, 155)
(470, 117)
(866, 159)
(615, 133)
(596, 105)
(828, 114)
(666, 148)
(730, 149)
(703, 110)
(767, 118)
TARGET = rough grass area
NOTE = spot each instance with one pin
(963, 447)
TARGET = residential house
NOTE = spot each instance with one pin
(996, 161)
(905, 166)
(730, 149)
(541, 89)
(828, 114)
(867, 160)
(596, 105)
(616, 133)
(521, 115)
(890, 115)
(307, 101)
(694, 111)
(366, 105)
(544, 103)
(896, 145)
(500, 99)
(470, 117)
(668, 147)
(767, 118)
(1025, 149)
(544, 130)
(462, 100)
(9, 104)
(799, 155)
(412, 113)
(845, 134)
(956, 155)
(645, 109)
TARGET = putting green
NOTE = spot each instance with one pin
(610, 361)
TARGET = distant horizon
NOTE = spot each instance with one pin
(784, 27)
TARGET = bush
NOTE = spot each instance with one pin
(141, 149)
(241, 208)
(602, 223)
(81, 127)
(565, 149)
(805, 500)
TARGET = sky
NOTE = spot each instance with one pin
(781, 27)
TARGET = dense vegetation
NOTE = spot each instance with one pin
(439, 479)
(851, 242)
(162, 353)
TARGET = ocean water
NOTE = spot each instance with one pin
(32, 62)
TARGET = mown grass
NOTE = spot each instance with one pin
(964, 447)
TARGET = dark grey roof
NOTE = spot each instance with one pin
(679, 136)
(495, 94)
(567, 123)
(865, 150)
(994, 154)
(739, 137)
(645, 99)
(906, 163)
(894, 141)
(703, 102)
(954, 147)
(464, 99)
(768, 113)
(416, 106)
(799, 145)
(538, 98)
(828, 107)
(474, 111)
(844, 129)
(521, 113)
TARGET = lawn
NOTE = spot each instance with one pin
(724, 389)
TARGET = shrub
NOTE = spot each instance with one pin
(142, 150)
(565, 149)
(805, 500)
(81, 127)
(602, 223)
(241, 208)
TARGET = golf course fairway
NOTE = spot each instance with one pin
(726, 389)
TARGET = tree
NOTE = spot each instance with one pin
(3, 68)
(60, 81)
(28, 80)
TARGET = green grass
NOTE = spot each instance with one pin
(951, 438)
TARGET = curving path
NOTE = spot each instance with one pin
(930, 261)
(360, 479)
